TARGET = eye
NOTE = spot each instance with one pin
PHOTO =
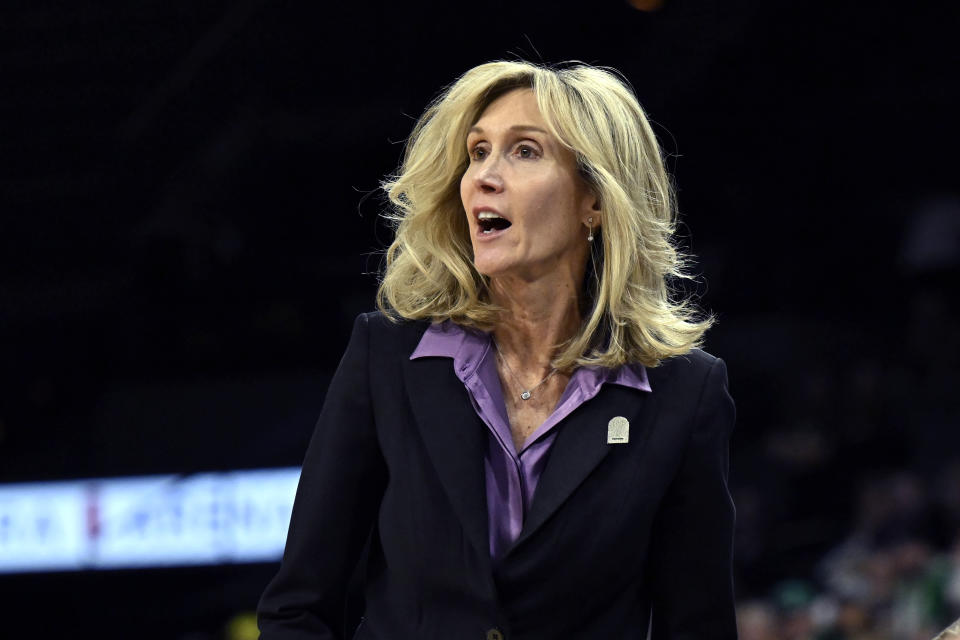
(527, 151)
(477, 153)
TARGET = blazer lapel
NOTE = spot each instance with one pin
(455, 439)
(581, 445)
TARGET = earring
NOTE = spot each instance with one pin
(590, 237)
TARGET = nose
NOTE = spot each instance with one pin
(488, 178)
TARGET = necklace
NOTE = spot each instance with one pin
(524, 395)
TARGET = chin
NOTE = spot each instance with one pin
(488, 265)
(489, 269)
(486, 270)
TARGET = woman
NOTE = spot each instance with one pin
(525, 442)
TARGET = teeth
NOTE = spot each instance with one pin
(487, 215)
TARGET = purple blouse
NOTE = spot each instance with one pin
(511, 475)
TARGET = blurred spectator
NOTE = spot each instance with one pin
(757, 620)
(242, 626)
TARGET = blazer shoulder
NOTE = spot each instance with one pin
(694, 362)
(382, 324)
(390, 335)
(686, 372)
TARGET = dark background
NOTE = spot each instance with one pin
(189, 224)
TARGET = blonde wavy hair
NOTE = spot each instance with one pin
(631, 312)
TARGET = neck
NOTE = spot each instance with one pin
(537, 316)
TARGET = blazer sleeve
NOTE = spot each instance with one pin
(341, 484)
(691, 554)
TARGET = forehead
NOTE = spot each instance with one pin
(518, 106)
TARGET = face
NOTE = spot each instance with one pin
(526, 204)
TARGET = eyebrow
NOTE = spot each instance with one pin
(516, 127)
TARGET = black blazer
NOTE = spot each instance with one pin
(615, 531)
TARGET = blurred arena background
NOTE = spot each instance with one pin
(188, 226)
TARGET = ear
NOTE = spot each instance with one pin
(592, 217)
(590, 204)
(593, 200)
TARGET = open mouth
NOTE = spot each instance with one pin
(490, 222)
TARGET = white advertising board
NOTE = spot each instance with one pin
(150, 521)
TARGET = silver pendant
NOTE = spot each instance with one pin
(525, 395)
